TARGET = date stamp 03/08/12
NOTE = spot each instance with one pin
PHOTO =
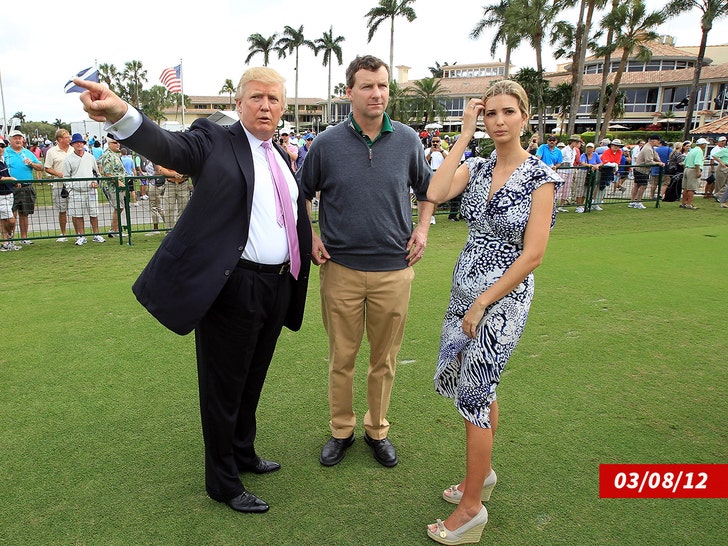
(663, 481)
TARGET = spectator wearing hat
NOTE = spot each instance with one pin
(7, 218)
(693, 172)
(719, 165)
(646, 159)
(603, 146)
(591, 160)
(549, 153)
(21, 163)
(611, 160)
(80, 167)
(303, 149)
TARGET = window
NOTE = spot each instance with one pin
(454, 106)
(640, 100)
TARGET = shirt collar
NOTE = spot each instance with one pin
(386, 128)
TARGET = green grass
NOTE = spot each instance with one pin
(622, 361)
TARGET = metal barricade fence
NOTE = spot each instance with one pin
(134, 214)
(587, 189)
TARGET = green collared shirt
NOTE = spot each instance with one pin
(386, 128)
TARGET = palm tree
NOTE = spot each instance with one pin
(498, 16)
(340, 89)
(632, 26)
(20, 116)
(58, 123)
(712, 11)
(331, 48)
(534, 27)
(389, 9)
(291, 40)
(667, 116)
(427, 97)
(581, 44)
(109, 75)
(230, 89)
(398, 107)
(134, 75)
(437, 70)
(617, 111)
(536, 87)
(606, 53)
(261, 44)
(559, 99)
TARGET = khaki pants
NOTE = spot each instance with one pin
(721, 175)
(349, 300)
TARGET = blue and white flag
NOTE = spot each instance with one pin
(89, 74)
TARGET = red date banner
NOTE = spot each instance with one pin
(663, 481)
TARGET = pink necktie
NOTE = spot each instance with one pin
(284, 209)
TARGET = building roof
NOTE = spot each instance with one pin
(659, 51)
(631, 79)
(713, 129)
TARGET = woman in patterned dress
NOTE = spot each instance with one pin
(508, 203)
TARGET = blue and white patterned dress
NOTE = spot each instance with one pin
(469, 370)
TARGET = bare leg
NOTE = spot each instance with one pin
(23, 222)
(63, 222)
(94, 220)
(78, 225)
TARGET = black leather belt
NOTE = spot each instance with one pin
(277, 269)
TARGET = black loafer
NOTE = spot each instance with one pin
(384, 451)
(261, 466)
(248, 503)
(334, 449)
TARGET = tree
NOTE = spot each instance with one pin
(437, 70)
(340, 89)
(712, 11)
(58, 123)
(581, 44)
(134, 76)
(291, 41)
(536, 87)
(156, 100)
(331, 47)
(398, 107)
(632, 27)
(618, 110)
(229, 88)
(389, 9)
(426, 101)
(20, 116)
(109, 75)
(559, 99)
(668, 116)
(498, 17)
(263, 45)
(604, 52)
(534, 27)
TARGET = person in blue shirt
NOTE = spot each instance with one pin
(549, 153)
(664, 151)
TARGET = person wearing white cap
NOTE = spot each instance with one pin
(719, 165)
(693, 171)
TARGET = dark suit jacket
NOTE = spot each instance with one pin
(191, 266)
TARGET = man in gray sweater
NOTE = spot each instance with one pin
(364, 169)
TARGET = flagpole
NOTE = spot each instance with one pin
(182, 94)
(5, 117)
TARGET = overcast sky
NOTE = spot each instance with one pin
(210, 37)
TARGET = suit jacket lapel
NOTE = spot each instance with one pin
(244, 156)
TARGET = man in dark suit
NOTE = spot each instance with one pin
(226, 270)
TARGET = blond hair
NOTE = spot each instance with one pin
(512, 88)
(260, 74)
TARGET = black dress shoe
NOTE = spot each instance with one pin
(261, 466)
(249, 503)
(334, 449)
(384, 451)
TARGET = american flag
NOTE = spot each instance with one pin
(171, 79)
